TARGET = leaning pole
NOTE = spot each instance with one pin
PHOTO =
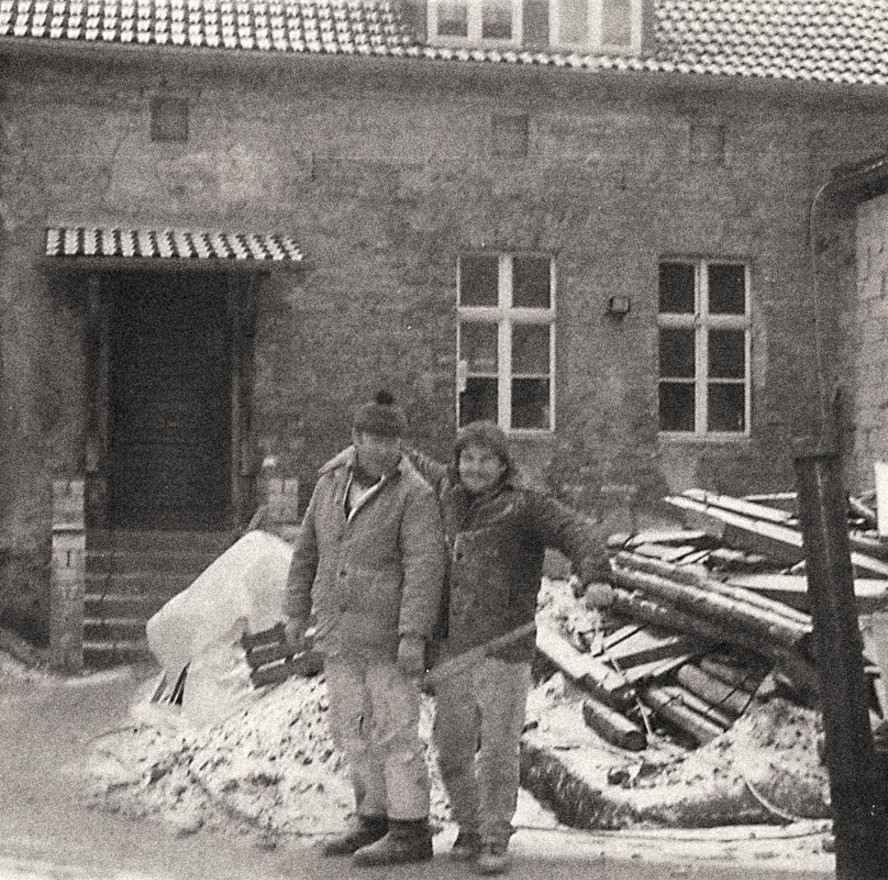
(858, 804)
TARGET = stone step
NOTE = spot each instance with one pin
(213, 543)
(99, 605)
(116, 629)
(144, 582)
(101, 653)
(130, 575)
(109, 561)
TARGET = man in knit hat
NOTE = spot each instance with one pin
(369, 560)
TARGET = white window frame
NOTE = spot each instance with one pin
(474, 26)
(594, 41)
(506, 317)
(701, 321)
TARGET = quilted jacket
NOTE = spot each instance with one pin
(375, 575)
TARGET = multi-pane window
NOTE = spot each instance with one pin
(596, 24)
(506, 351)
(475, 21)
(704, 343)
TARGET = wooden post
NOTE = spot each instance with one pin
(859, 821)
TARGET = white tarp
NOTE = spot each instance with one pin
(241, 591)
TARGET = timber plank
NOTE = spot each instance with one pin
(596, 676)
(781, 542)
(646, 646)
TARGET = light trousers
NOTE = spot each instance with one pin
(479, 716)
(374, 720)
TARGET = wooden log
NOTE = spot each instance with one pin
(666, 552)
(272, 635)
(604, 682)
(613, 727)
(752, 509)
(739, 677)
(714, 691)
(866, 513)
(792, 590)
(656, 668)
(667, 704)
(695, 702)
(643, 646)
(718, 608)
(780, 542)
(666, 536)
(874, 547)
(695, 579)
(265, 654)
(306, 664)
(795, 666)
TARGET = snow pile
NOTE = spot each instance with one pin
(765, 769)
(271, 767)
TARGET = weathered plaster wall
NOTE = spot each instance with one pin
(868, 337)
(385, 174)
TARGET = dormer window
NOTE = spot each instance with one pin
(613, 26)
(475, 22)
(596, 25)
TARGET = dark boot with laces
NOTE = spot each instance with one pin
(363, 831)
(405, 842)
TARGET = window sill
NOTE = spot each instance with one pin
(530, 434)
(470, 43)
(702, 439)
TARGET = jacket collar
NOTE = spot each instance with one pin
(348, 458)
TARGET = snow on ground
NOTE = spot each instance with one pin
(273, 768)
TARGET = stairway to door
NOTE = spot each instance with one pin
(130, 575)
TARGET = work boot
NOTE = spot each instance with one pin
(405, 842)
(362, 832)
(466, 846)
(494, 857)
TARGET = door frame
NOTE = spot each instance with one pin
(240, 295)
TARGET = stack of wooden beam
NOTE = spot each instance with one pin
(702, 614)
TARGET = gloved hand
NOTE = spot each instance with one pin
(295, 632)
(411, 656)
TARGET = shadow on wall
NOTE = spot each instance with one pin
(24, 595)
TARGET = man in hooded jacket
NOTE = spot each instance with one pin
(369, 560)
(496, 534)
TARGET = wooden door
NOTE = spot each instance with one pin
(170, 435)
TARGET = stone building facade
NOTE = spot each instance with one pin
(611, 254)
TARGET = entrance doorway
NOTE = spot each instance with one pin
(169, 402)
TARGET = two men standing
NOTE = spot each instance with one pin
(370, 560)
(382, 529)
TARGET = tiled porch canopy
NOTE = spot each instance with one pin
(171, 244)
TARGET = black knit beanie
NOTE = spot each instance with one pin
(381, 416)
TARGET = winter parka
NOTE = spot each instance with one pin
(496, 544)
(372, 576)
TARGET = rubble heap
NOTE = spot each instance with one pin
(690, 701)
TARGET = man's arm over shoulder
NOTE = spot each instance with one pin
(578, 537)
(423, 557)
(430, 469)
